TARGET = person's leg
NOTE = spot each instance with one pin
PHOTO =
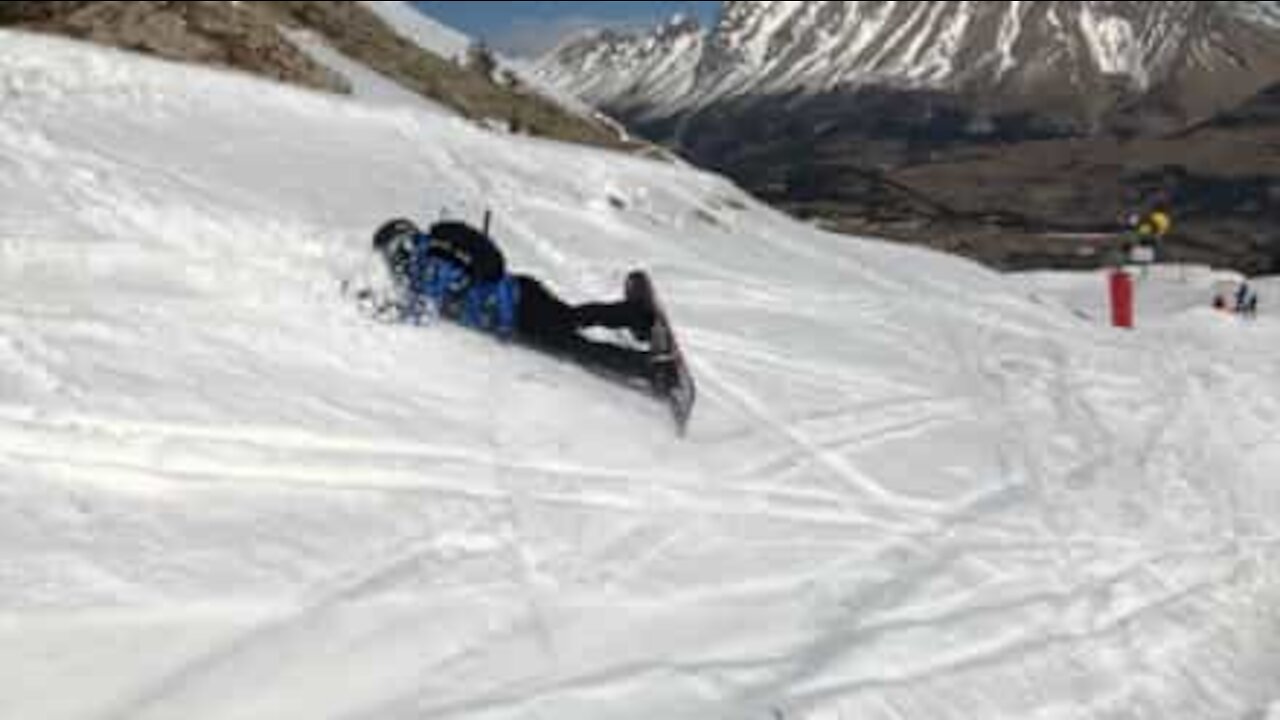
(544, 313)
(615, 316)
(635, 313)
(540, 313)
(547, 323)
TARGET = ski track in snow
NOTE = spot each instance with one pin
(909, 491)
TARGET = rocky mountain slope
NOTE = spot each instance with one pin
(253, 37)
(234, 35)
(891, 116)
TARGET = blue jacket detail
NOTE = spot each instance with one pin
(440, 284)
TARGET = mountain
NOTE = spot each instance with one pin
(914, 488)
(330, 46)
(821, 107)
(1083, 61)
(426, 32)
(630, 75)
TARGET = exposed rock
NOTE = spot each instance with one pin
(239, 35)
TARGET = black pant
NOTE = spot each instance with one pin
(547, 323)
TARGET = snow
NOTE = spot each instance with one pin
(435, 37)
(939, 59)
(913, 488)
(366, 84)
(1265, 12)
(427, 32)
(619, 68)
(530, 74)
(1114, 46)
(1010, 34)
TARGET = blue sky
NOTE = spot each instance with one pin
(525, 28)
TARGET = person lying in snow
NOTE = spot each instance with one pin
(457, 272)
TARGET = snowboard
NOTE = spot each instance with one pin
(674, 384)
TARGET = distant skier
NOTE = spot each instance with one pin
(1246, 301)
(1151, 230)
(1155, 224)
(458, 272)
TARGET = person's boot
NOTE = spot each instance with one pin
(639, 292)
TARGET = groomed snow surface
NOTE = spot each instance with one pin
(913, 488)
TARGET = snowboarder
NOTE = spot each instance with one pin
(458, 272)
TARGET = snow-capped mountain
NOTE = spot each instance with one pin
(630, 72)
(1261, 12)
(872, 115)
(1080, 57)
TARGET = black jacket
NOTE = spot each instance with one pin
(469, 248)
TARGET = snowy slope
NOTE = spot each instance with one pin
(428, 33)
(913, 489)
(366, 84)
(433, 36)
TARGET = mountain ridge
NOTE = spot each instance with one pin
(871, 115)
(998, 55)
